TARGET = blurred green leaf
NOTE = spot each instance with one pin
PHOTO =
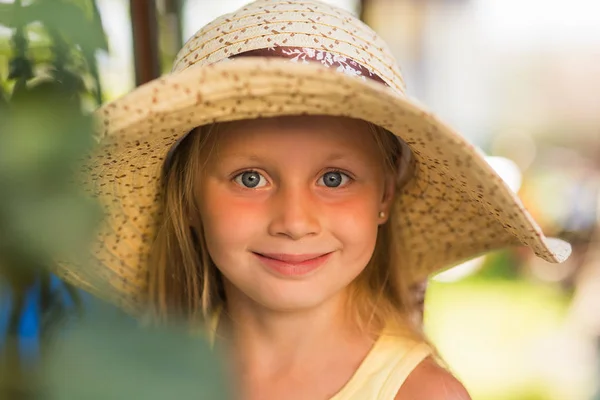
(45, 130)
(45, 133)
(6, 14)
(77, 20)
(71, 21)
(108, 356)
(58, 226)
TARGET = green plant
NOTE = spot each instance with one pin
(45, 130)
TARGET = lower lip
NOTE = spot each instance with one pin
(293, 269)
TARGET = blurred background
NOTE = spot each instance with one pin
(519, 78)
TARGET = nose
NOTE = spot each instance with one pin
(294, 213)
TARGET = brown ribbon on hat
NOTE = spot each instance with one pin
(342, 64)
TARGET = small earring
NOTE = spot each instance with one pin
(381, 214)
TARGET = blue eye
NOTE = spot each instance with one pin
(250, 179)
(334, 179)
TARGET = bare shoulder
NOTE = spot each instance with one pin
(431, 381)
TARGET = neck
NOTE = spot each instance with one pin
(265, 341)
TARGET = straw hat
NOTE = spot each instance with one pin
(292, 57)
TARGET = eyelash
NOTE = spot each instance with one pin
(239, 174)
(339, 171)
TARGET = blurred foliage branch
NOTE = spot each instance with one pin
(44, 131)
(71, 29)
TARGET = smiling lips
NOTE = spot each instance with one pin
(292, 264)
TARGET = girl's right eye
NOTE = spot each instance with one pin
(250, 180)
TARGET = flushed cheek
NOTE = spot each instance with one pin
(355, 226)
(231, 222)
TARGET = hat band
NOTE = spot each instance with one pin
(305, 55)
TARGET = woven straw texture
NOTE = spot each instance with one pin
(454, 208)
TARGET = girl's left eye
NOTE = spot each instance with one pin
(334, 179)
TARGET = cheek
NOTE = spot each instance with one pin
(355, 225)
(228, 223)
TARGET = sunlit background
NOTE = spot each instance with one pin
(519, 78)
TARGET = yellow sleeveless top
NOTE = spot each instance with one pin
(383, 371)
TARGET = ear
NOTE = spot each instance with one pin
(389, 194)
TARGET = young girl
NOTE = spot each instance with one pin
(280, 187)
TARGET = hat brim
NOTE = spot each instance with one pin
(454, 208)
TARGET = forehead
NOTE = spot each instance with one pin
(308, 133)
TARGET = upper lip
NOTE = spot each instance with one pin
(292, 258)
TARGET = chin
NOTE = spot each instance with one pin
(297, 299)
(289, 295)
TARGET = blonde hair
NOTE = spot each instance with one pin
(185, 283)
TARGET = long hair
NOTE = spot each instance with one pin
(185, 283)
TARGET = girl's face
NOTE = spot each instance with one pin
(290, 207)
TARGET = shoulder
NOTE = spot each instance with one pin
(431, 381)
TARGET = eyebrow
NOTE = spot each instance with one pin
(257, 158)
(336, 157)
(245, 157)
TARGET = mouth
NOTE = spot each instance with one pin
(293, 264)
(292, 258)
